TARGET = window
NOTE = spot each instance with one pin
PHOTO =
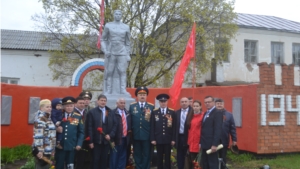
(296, 54)
(10, 80)
(277, 52)
(222, 49)
(250, 51)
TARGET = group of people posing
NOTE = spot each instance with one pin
(103, 136)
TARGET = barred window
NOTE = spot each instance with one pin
(250, 51)
(277, 52)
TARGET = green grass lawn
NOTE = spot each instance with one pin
(248, 161)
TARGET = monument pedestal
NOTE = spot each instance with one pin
(112, 100)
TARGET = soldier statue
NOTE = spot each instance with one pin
(115, 44)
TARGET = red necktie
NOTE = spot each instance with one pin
(124, 124)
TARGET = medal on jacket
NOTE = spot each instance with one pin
(147, 114)
(135, 111)
(169, 122)
(156, 118)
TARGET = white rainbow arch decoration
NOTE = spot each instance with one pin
(83, 67)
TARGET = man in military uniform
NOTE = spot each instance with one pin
(163, 131)
(140, 116)
(87, 96)
(82, 155)
(71, 128)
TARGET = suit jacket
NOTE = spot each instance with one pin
(185, 133)
(83, 119)
(119, 130)
(73, 134)
(228, 128)
(161, 132)
(95, 120)
(211, 129)
(139, 125)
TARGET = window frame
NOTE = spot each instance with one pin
(9, 80)
(273, 60)
(293, 48)
(226, 59)
(249, 51)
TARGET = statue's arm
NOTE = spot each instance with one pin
(127, 40)
(104, 39)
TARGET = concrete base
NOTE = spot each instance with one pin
(112, 100)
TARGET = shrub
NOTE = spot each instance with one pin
(9, 155)
(29, 164)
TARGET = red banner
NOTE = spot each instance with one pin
(179, 76)
(101, 23)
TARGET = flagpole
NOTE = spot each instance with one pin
(194, 66)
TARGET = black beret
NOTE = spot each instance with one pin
(141, 90)
(162, 97)
(86, 94)
(68, 100)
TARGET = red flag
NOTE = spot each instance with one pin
(101, 23)
(179, 76)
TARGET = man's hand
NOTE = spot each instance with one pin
(91, 145)
(59, 129)
(39, 155)
(213, 149)
(153, 142)
(172, 143)
(113, 144)
(78, 148)
(107, 137)
(234, 143)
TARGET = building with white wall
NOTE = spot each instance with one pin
(25, 56)
(260, 39)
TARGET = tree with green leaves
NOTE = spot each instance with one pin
(159, 30)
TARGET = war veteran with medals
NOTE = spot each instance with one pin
(71, 128)
(163, 131)
(140, 116)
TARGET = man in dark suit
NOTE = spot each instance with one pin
(163, 131)
(100, 118)
(82, 155)
(140, 120)
(228, 129)
(210, 134)
(182, 131)
(118, 158)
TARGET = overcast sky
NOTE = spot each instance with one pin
(16, 14)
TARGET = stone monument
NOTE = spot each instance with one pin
(115, 43)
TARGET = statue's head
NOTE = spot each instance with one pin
(117, 15)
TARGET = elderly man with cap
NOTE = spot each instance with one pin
(163, 131)
(140, 112)
(228, 129)
(87, 96)
(71, 128)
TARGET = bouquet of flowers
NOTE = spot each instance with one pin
(102, 132)
(197, 161)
